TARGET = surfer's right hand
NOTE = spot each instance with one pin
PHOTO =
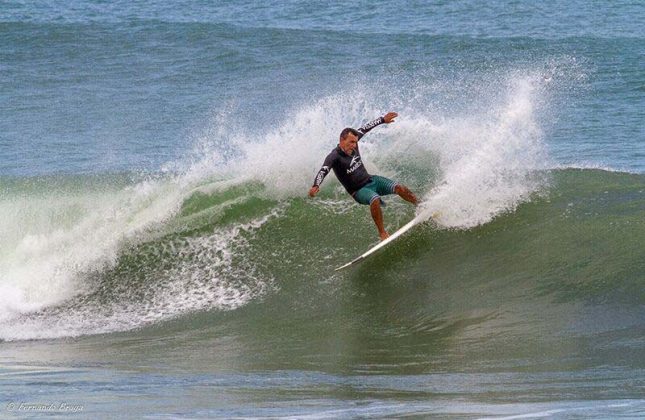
(314, 190)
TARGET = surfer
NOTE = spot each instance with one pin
(345, 160)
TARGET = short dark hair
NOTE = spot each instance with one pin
(346, 131)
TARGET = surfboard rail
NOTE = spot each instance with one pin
(383, 243)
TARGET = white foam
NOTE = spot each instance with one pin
(593, 165)
(51, 239)
(489, 162)
(202, 279)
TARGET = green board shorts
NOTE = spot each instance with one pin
(375, 188)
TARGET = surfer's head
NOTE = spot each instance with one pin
(348, 140)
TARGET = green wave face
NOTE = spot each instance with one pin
(230, 260)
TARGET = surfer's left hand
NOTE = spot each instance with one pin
(389, 117)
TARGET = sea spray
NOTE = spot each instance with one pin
(484, 130)
(489, 164)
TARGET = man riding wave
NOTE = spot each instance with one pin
(345, 161)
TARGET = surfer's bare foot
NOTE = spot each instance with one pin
(384, 235)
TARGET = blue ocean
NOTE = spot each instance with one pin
(160, 256)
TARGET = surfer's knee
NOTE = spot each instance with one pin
(375, 203)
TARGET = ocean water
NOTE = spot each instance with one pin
(159, 257)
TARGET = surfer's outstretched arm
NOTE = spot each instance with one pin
(386, 119)
(322, 173)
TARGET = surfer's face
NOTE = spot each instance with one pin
(348, 144)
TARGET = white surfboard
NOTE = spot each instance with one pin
(383, 243)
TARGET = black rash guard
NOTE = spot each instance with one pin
(349, 169)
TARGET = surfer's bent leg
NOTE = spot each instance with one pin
(405, 193)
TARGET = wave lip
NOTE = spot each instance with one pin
(54, 238)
